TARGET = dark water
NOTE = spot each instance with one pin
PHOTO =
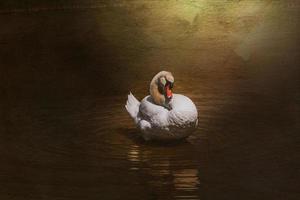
(65, 72)
(88, 148)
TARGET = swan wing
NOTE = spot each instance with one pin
(132, 107)
(184, 112)
(148, 109)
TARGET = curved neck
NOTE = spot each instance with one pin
(158, 98)
(155, 93)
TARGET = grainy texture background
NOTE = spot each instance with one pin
(66, 67)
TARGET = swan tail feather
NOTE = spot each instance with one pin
(132, 106)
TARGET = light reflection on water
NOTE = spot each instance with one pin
(165, 170)
(134, 156)
(171, 170)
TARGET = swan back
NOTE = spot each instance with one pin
(159, 123)
(183, 113)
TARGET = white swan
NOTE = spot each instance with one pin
(163, 115)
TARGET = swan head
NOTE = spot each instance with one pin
(161, 88)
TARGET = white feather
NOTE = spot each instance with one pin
(158, 123)
(132, 106)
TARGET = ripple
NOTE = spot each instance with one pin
(97, 136)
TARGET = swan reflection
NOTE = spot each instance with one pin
(161, 164)
(134, 156)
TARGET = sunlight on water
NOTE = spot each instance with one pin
(134, 157)
(186, 179)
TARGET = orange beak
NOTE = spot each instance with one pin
(168, 91)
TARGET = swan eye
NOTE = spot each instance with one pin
(163, 80)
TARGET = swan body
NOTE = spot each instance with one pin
(171, 119)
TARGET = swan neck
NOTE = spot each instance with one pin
(158, 98)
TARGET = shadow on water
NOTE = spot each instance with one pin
(136, 137)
